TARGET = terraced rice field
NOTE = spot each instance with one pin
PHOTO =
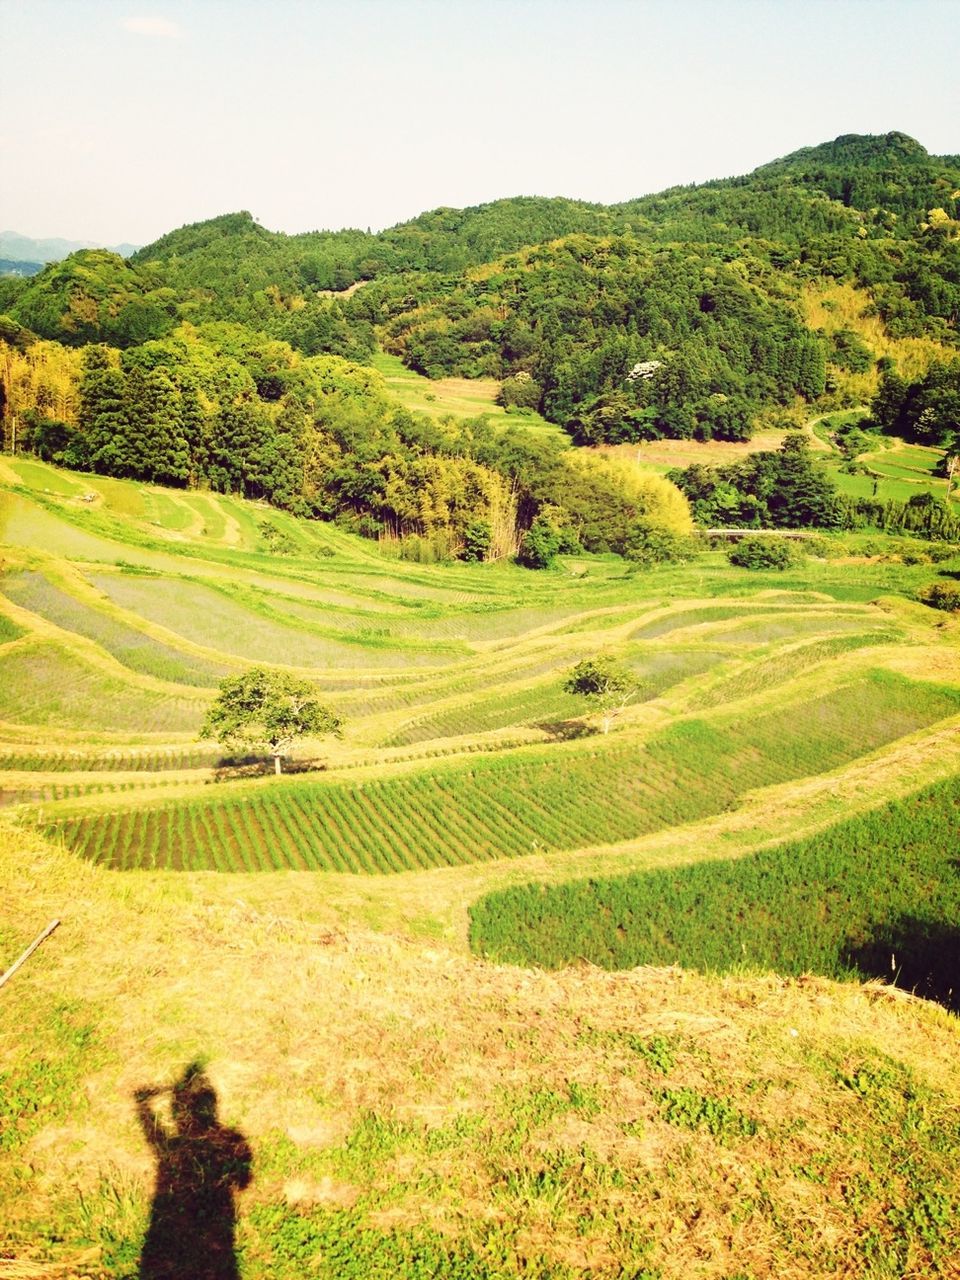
(505, 808)
(120, 613)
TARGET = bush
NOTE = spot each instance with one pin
(520, 392)
(647, 546)
(764, 553)
(941, 595)
(477, 541)
(540, 545)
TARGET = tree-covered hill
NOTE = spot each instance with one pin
(876, 210)
(696, 313)
(890, 174)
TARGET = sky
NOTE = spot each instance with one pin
(120, 120)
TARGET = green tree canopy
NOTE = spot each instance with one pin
(606, 684)
(263, 708)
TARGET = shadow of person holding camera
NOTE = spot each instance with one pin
(200, 1167)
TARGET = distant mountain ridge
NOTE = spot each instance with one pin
(19, 248)
(558, 291)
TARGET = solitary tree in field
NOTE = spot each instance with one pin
(607, 684)
(271, 709)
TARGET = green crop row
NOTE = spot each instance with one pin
(600, 792)
(546, 704)
(133, 648)
(119, 761)
(877, 895)
(769, 673)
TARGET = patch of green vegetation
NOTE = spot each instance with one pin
(878, 895)
(244, 623)
(133, 648)
(905, 1151)
(688, 1109)
(510, 807)
(37, 475)
(43, 1085)
(338, 1245)
(9, 630)
(47, 684)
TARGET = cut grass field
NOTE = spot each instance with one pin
(412, 1110)
(459, 397)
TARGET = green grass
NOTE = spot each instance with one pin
(131, 647)
(893, 473)
(169, 511)
(546, 704)
(251, 629)
(775, 671)
(37, 475)
(45, 684)
(578, 795)
(878, 895)
(9, 630)
(461, 397)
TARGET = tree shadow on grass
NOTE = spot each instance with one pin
(200, 1167)
(230, 768)
(567, 730)
(915, 954)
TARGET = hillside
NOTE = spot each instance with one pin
(706, 312)
(412, 1112)
(621, 547)
(411, 1109)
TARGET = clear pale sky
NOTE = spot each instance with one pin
(120, 120)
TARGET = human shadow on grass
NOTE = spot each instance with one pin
(918, 955)
(200, 1167)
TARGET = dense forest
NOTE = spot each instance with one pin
(230, 356)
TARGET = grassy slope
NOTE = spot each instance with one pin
(407, 1103)
(402, 1099)
(460, 397)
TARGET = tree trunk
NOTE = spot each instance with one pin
(276, 765)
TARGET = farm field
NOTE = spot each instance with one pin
(308, 938)
(460, 397)
(877, 890)
(120, 615)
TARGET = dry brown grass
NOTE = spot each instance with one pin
(310, 1028)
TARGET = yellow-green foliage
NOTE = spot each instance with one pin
(837, 305)
(44, 377)
(659, 503)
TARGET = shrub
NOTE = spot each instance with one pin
(520, 392)
(648, 546)
(477, 541)
(941, 595)
(764, 553)
(540, 545)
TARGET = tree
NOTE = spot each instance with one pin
(540, 544)
(267, 709)
(764, 553)
(605, 683)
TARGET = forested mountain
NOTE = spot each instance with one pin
(684, 314)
